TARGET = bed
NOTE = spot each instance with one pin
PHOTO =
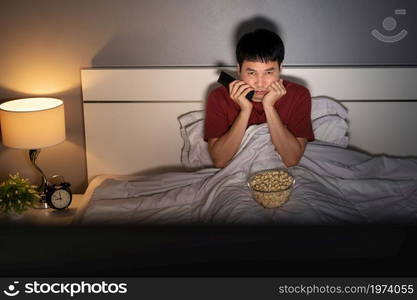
(147, 162)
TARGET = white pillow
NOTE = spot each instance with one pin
(328, 118)
(328, 121)
(331, 129)
(194, 153)
(323, 106)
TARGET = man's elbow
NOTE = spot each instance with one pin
(289, 165)
(219, 164)
(291, 162)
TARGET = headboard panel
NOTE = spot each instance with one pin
(131, 124)
(131, 137)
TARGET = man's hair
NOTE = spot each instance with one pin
(260, 45)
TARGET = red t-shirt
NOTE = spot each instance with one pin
(294, 109)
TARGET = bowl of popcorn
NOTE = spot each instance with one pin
(271, 188)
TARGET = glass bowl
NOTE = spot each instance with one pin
(272, 187)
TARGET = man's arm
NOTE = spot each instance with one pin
(223, 149)
(289, 147)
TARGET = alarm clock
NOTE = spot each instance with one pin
(58, 195)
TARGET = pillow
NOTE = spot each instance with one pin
(328, 118)
(323, 106)
(328, 121)
(331, 129)
(194, 153)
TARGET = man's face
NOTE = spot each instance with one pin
(259, 75)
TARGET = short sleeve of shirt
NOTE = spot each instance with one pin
(300, 122)
(215, 124)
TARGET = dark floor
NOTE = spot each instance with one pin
(208, 251)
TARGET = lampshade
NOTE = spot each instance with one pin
(32, 123)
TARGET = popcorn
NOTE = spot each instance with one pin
(271, 188)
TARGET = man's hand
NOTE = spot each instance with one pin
(238, 90)
(276, 92)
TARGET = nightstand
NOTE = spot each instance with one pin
(48, 216)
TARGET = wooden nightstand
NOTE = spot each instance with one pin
(48, 216)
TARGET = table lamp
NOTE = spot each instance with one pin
(32, 124)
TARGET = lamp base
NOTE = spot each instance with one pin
(33, 155)
(41, 204)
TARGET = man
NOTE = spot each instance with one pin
(285, 106)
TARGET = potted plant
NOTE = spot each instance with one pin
(16, 195)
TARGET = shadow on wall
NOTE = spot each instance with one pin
(162, 49)
(256, 22)
(153, 52)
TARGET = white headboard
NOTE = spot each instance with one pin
(130, 115)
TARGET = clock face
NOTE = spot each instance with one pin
(61, 198)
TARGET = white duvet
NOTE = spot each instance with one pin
(333, 185)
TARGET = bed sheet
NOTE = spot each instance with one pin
(333, 185)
